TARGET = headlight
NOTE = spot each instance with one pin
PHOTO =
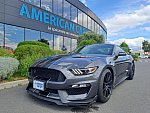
(84, 71)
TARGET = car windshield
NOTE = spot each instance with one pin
(103, 49)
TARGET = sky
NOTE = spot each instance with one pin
(126, 20)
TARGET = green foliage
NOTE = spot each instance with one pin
(32, 43)
(91, 36)
(56, 52)
(86, 42)
(27, 62)
(5, 53)
(135, 57)
(125, 47)
(8, 66)
(146, 46)
(28, 50)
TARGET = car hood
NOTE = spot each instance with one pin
(71, 61)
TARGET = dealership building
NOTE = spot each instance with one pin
(58, 21)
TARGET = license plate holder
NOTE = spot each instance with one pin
(39, 85)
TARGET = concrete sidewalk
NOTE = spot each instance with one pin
(13, 84)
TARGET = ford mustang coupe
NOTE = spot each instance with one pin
(81, 77)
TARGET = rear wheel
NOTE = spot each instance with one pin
(131, 72)
(105, 86)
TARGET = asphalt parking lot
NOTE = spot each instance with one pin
(128, 97)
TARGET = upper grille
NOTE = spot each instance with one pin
(47, 74)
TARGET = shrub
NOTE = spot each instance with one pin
(5, 53)
(135, 57)
(32, 43)
(27, 62)
(8, 66)
(86, 42)
(56, 52)
(28, 50)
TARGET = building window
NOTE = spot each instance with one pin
(1, 34)
(34, 2)
(98, 29)
(101, 30)
(89, 23)
(95, 30)
(48, 37)
(67, 43)
(85, 20)
(13, 35)
(58, 42)
(93, 25)
(80, 17)
(47, 4)
(66, 9)
(57, 7)
(74, 14)
(32, 34)
(73, 44)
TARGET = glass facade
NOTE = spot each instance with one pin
(47, 4)
(89, 23)
(58, 42)
(48, 37)
(80, 17)
(93, 25)
(66, 10)
(32, 34)
(67, 43)
(34, 2)
(58, 7)
(85, 20)
(1, 34)
(74, 44)
(74, 14)
(13, 35)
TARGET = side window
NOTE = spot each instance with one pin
(118, 49)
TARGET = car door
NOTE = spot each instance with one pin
(121, 65)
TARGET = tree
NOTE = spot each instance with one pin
(125, 47)
(86, 42)
(91, 36)
(146, 46)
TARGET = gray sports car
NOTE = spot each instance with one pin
(82, 77)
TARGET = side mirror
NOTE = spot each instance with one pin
(122, 54)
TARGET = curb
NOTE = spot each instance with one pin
(13, 84)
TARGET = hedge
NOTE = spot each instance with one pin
(8, 66)
(32, 43)
(27, 62)
(28, 50)
(5, 53)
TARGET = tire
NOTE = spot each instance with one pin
(131, 72)
(105, 86)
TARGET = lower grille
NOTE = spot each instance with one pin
(78, 91)
(47, 74)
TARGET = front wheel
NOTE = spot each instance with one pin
(105, 86)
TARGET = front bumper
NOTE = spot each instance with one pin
(62, 93)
